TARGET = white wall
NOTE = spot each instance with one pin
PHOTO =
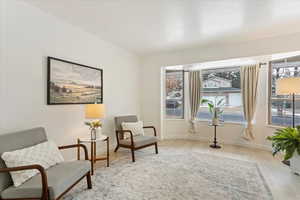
(230, 133)
(30, 36)
(2, 41)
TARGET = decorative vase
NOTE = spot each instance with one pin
(215, 120)
(295, 163)
(93, 134)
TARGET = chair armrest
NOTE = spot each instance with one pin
(152, 127)
(30, 167)
(125, 131)
(76, 146)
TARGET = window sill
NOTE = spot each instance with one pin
(207, 121)
(166, 119)
(234, 123)
(275, 126)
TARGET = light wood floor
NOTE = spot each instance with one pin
(284, 185)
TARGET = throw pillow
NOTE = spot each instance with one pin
(45, 154)
(135, 127)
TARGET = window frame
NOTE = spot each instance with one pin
(228, 108)
(270, 95)
(183, 117)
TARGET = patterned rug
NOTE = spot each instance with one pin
(176, 175)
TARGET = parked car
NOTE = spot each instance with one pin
(173, 103)
(174, 95)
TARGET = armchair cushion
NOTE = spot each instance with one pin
(60, 178)
(119, 120)
(18, 140)
(136, 128)
(140, 140)
(45, 154)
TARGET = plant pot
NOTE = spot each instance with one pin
(215, 121)
(93, 134)
(295, 163)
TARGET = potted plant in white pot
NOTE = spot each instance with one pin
(287, 140)
(215, 108)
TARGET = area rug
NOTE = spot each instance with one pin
(176, 175)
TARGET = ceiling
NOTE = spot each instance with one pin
(151, 26)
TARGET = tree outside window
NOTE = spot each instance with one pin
(174, 94)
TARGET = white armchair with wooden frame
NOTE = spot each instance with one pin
(134, 142)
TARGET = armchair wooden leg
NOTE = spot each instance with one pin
(88, 180)
(156, 148)
(46, 197)
(132, 154)
(117, 147)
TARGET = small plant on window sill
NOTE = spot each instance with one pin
(94, 125)
(287, 140)
(215, 108)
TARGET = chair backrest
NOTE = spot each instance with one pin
(18, 140)
(119, 120)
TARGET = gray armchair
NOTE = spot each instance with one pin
(134, 142)
(50, 184)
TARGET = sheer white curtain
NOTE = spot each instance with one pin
(249, 82)
(194, 96)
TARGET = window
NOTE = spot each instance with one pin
(174, 94)
(280, 106)
(222, 83)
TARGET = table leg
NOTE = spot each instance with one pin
(78, 150)
(95, 151)
(92, 157)
(215, 146)
(107, 152)
(215, 139)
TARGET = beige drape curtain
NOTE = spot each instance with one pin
(194, 96)
(249, 82)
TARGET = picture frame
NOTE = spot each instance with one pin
(73, 83)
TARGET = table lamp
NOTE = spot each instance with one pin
(94, 111)
(289, 86)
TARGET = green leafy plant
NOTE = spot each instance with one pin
(286, 140)
(214, 107)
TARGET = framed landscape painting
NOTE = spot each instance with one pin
(73, 83)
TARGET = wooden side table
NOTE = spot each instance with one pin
(93, 143)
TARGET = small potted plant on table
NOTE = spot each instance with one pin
(215, 108)
(94, 125)
(287, 140)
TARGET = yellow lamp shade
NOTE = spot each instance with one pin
(287, 86)
(94, 111)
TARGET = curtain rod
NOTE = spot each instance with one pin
(260, 64)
